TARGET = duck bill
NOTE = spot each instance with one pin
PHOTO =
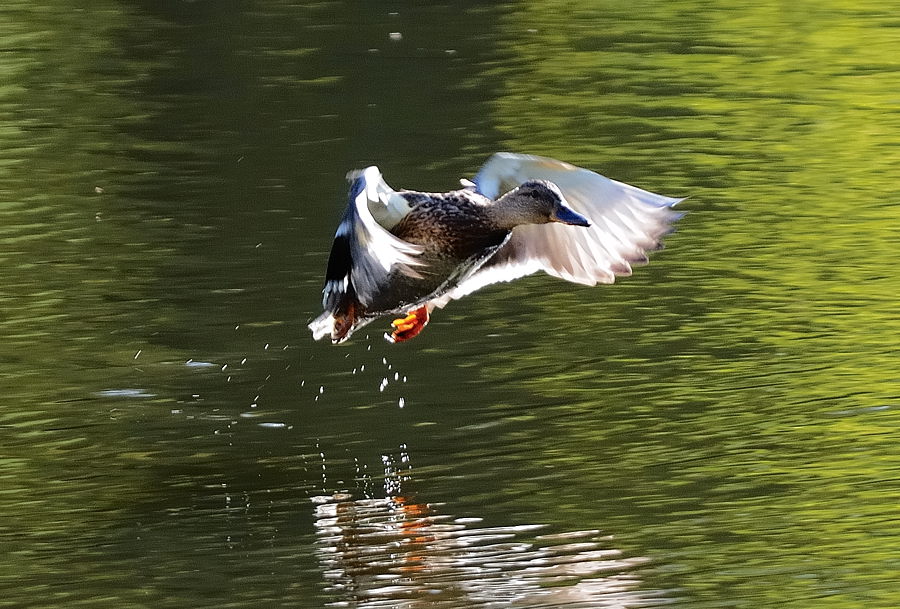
(567, 216)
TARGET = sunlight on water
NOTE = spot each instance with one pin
(718, 430)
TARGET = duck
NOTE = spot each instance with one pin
(406, 253)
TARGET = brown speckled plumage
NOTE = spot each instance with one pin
(455, 231)
(449, 225)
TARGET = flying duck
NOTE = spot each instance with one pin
(405, 253)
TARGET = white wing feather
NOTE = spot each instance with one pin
(373, 209)
(626, 222)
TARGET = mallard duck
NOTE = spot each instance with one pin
(405, 253)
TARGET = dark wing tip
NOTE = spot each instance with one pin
(337, 273)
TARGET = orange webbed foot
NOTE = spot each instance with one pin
(408, 327)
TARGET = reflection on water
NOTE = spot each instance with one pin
(393, 552)
(399, 552)
(170, 177)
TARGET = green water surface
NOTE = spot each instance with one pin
(719, 430)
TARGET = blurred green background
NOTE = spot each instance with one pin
(719, 430)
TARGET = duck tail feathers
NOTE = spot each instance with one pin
(322, 325)
(338, 324)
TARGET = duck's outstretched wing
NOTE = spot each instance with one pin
(626, 223)
(364, 252)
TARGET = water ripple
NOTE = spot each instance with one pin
(396, 552)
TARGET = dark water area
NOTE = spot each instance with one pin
(719, 430)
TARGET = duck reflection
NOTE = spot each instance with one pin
(402, 553)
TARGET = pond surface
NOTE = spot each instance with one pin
(719, 430)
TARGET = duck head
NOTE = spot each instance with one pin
(536, 202)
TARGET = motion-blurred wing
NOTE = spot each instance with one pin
(626, 223)
(364, 253)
